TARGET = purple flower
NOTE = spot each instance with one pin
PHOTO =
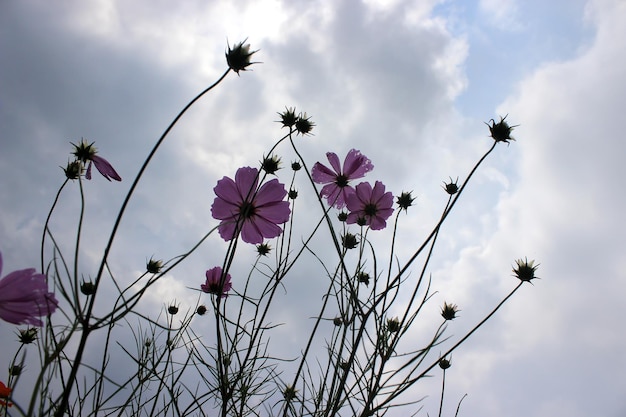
(337, 187)
(370, 207)
(243, 208)
(24, 297)
(86, 153)
(214, 284)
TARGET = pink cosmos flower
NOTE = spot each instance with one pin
(24, 297)
(243, 208)
(86, 153)
(337, 187)
(370, 207)
(214, 285)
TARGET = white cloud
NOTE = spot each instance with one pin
(382, 78)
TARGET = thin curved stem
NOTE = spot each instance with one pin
(62, 407)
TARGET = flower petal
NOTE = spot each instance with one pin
(334, 161)
(250, 232)
(24, 297)
(88, 173)
(271, 191)
(246, 179)
(255, 231)
(226, 229)
(321, 174)
(356, 165)
(105, 168)
(364, 191)
(377, 223)
(277, 212)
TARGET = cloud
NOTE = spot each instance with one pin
(382, 77)
(564, 211)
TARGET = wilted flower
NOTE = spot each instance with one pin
(444, 363)
(24, 297)
(263, 249)
(154, 266)
(241, 207)
(27, 336)
(288, 118)
(349, 241)
(448, 311)
(370, 206)
(525, 271)
(337, 180)
(501, 131)
(5, 393)
(87, 154)
(270, 164)
(451, 187)
(215, 282)
(405, 200)
(238, 58)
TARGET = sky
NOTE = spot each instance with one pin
(408, 83)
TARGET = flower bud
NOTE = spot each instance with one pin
(289, 393)
(451, 187)
(448, 311)
(444, 363)
(263, 249)
(364, 278)
(405, 200)
(154, 266)
(73, 170)
(173, 309)
(393, 325)
(349, 241)
(201, 310)
(270, 164)
(88, 288)
(296, 166)
(288, 118)
(238, 58)
(293, 194)
(16, 370)
(84, 151)
(304, 125)
(525, 271)
(501, 131)
(27, 336)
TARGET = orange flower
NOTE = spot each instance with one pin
(4, 393)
